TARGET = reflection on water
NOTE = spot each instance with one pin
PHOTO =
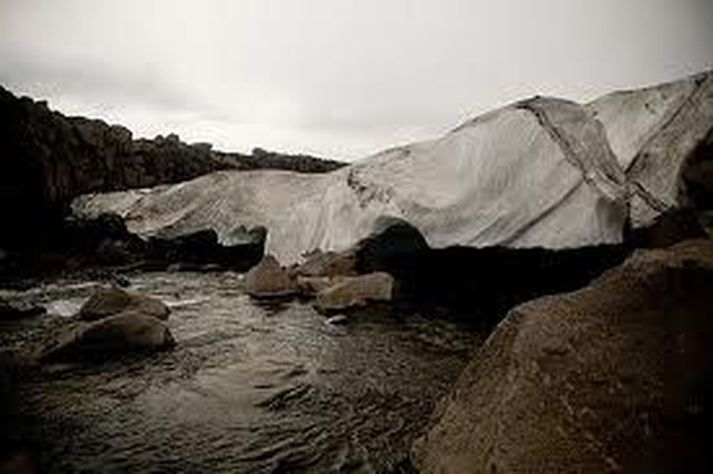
(249, 388)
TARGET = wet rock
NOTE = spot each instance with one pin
(326, 264)
(269, 280)
(391, 242)
(108, 301)
(613, 377)
(19, 310)
(127, 332)
(353, 292)
(310, 286)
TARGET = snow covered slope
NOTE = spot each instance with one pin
(652, 131)
(539, 173)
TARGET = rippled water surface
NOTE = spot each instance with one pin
(249, 388)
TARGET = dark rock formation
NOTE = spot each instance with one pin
(671, 227)
(262, 159)
(615, 377)
(481, 283)
(46, 159)
(202, 248)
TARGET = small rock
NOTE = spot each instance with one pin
(107, 301)
(351, 292)
(269, 280)
(326, 264)
(19, 310)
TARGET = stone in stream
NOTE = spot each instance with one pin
(615, 377)
(354, 292)
(269, 280)
(326, 264)
(126, 332)
(108, 301)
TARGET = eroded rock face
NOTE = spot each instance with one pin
(269, 279)
(109, 301)
(126, 332)
(47, 158)
(614, 377)
(354, 292)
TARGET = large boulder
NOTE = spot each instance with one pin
(616, 377)
(112, 300)
(269, 279)
(127, 332)
(354, 292)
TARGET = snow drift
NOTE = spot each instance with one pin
(543, 172)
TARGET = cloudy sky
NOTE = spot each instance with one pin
(337, 78)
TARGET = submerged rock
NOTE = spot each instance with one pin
(127, 332)
(108, 301)
(358, 291)
(269, 280)
(613, 377)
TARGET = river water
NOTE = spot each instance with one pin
(248, 388)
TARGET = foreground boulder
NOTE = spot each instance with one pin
(269, 280)
(108, 301)
(127, 332)
(354, 292)
(615, 377)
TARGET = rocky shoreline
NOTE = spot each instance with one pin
(597, 280)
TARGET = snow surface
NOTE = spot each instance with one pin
(653, 131)
(540, 173)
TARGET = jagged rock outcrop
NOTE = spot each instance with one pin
(47, 158)
(543, 173)
(615, 377)
(14, 310)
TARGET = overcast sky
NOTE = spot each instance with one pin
(338, 78)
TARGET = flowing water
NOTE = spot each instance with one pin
(248, 388)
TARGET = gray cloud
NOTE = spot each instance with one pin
(336, 77)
